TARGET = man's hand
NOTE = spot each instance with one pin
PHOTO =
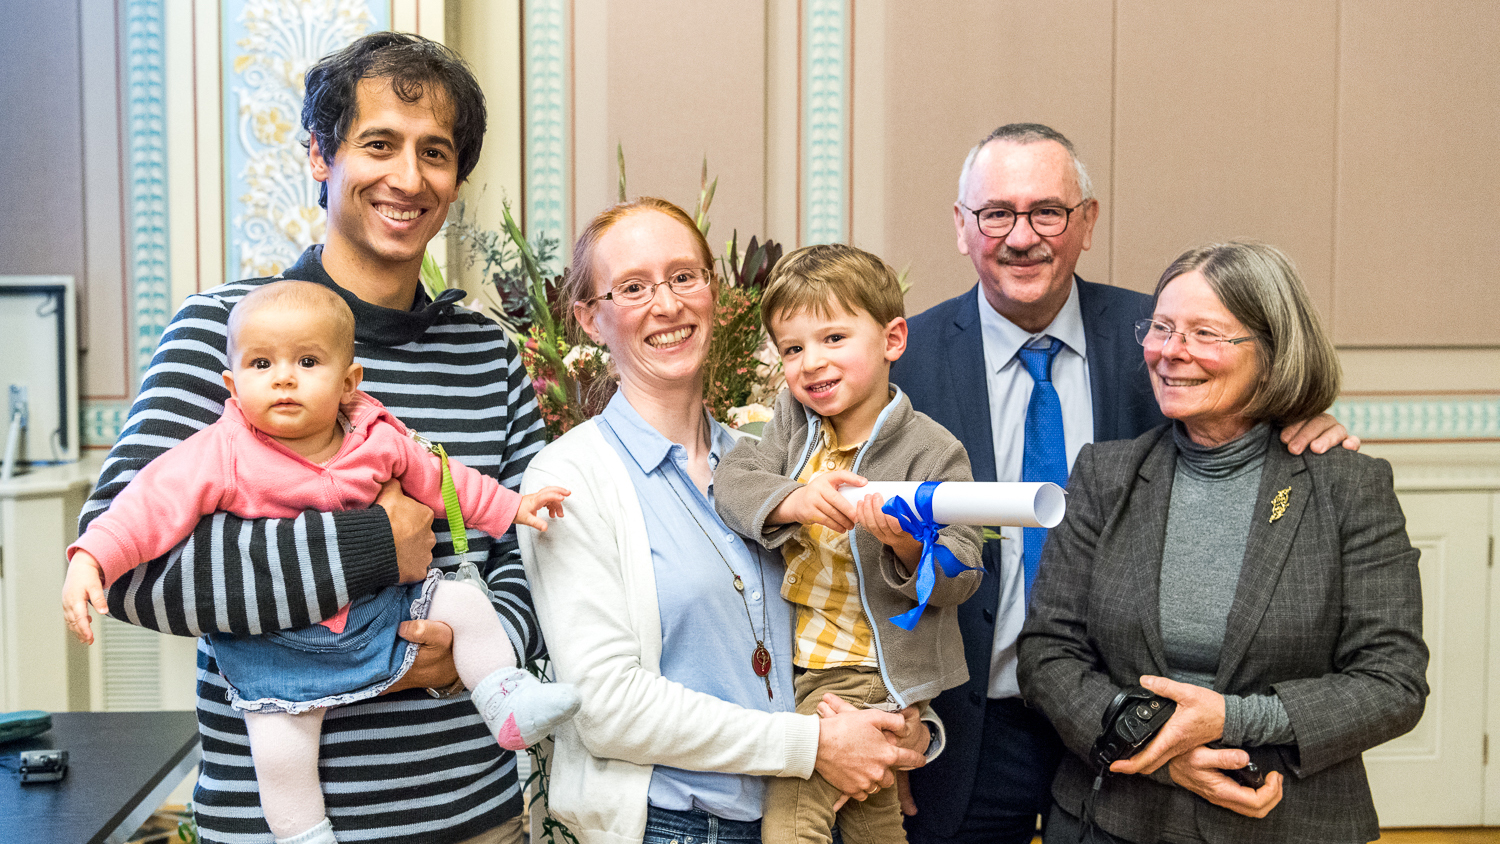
(819, 503)
(434, 668)
(411, 528)
(907, 548)
(83, 588)
(1322, 432)
(855, 755)
(548, 496)
(1199, 719)
(1201, 771)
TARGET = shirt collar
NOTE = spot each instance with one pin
(646, 445)
(1004, 338)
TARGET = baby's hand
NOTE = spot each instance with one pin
(819, 502)
(888, 530)
(83, 586)
(548, 496)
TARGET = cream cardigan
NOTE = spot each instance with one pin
(594, 589)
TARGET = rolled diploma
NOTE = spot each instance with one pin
(977, 502)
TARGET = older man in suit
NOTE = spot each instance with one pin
(1025, 213)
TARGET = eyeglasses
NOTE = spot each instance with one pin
(1199, 341)
(634, 292)
(1046, 220)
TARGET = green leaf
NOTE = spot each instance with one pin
(620, 157)
(432, 276)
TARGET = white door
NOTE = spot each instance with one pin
(1434, 775)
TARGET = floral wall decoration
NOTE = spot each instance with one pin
(273, 201)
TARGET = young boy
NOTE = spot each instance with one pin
(297, 434)
(835, 314)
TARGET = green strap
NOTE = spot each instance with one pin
(450, 503)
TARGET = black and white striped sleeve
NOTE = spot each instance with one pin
(232, 575)
(507, 579)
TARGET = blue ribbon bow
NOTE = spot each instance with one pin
(922, 526)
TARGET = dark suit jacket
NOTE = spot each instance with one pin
(943, 374)
(1327, 616)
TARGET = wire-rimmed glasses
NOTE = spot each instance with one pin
(634, 292)
(1200, 341)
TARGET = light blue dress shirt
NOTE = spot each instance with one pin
(1010, 392)
(707, 641)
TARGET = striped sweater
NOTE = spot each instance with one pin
(402, 767)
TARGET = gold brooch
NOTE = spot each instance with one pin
(1278, 504)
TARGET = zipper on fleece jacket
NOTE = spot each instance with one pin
(814, 432)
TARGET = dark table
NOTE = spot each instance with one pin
(121, 766)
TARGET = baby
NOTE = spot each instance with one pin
(297, 434)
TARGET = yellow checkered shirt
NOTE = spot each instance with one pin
(820, 580)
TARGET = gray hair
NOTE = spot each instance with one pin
(1259, 285)
(1027, 133)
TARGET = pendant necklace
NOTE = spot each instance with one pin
(760, 658)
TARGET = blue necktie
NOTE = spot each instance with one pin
(1045, 458)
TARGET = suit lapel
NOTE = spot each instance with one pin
(1272, 529)
(1142, 535)
(1105, 362)
(969, 385)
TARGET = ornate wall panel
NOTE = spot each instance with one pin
(546, 115)
(145, 108)
(826, 120)
(273, 212)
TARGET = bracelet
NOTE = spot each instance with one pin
(456, 689)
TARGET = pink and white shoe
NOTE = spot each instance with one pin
(521, 710)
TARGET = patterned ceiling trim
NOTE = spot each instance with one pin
(546, 118)
(267, 47)
(826, 115)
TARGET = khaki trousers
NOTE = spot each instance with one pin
(799, 810)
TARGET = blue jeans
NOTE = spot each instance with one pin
(665, 826)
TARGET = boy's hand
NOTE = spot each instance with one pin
(83, 587)
(548, 496)
(819, 503)
(903, 792)
(885, 527)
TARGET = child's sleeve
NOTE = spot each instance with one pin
(751, 482)
(965, 541)
(160, 506)
(485, 504)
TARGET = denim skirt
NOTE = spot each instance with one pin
(312, 667)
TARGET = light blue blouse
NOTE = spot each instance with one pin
(707, 641)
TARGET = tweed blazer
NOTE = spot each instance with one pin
(1327, 616)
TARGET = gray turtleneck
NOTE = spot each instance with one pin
(1208, 525)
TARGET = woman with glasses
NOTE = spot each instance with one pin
(671, 626)
(1274, 597)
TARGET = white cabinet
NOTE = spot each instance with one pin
(1438, 774)
(41, 665)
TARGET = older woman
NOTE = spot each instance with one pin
(1274, 597)
(671, 626)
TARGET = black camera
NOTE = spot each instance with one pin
(44, 765)
(1129, 722)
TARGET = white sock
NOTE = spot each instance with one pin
(519, 709)
(322, 833)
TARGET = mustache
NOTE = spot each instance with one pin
(1039, 252)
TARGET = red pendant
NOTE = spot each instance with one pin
(761, 660)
